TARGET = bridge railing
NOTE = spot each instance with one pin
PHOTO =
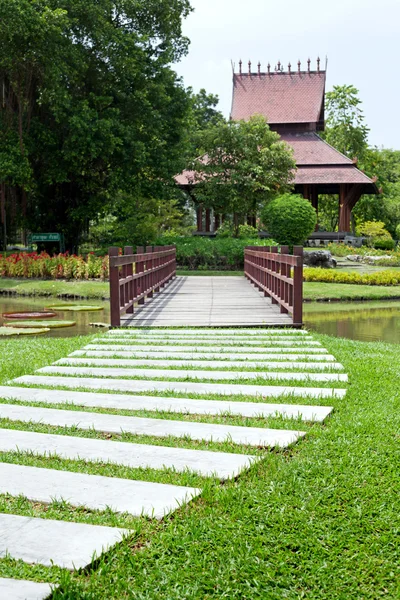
(133, 277)
(279, 275)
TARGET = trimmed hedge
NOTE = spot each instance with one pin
(330, 276)
(211, 254)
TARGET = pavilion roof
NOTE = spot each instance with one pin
(282, 98)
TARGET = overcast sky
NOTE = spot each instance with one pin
(359, 37)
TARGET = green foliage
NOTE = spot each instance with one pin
(225, 230)
(342, 250)
(345, 128)
(383, 243)
(290, 219)
(398, 232)
(331, 276)
(61, 266)
(243, 164)
(247, 232)
(198, 252)
(92, 107)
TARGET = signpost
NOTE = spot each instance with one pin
(35, 238)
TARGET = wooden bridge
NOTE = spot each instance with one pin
(146, 292)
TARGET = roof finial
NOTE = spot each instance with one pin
(308, 65)
(318, 62)
(298, 66)
(279, 65)
(269, 69)
(289, 67)
(259, 68)
(249, 67)
(240, 67)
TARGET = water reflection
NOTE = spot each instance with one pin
(83, 319)
(365, 321)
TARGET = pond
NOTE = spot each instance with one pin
(365, 321)
(83, 319)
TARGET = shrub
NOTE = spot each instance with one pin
(374, 231)
(398, 232)
(247, 232)
(341, 249)
(329, 276)
(61, 266)
(203, 253)
(383, 243)
(225, 229)
(290, 219)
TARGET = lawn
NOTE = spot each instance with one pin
(319, 521)
(100, 290)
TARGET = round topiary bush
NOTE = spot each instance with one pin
(290, 219)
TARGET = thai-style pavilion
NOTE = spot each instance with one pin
(293, 102)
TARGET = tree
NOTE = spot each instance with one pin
(92, 107)
(289, 219)
(345, 126)
(243, 165)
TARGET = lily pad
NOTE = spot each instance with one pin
(49, 324)
(9, 331)
(75, 307)
(29, 315)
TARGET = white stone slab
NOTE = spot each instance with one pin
(47, 542)
(286, 353)
(158, 403)
(93, 491)
(188, 374)
(135, 385)
(219, 464)
(20, 589)
(212, 332)
(250, 436)
(91, 359)
(204, 341)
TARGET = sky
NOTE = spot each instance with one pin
(359, 37)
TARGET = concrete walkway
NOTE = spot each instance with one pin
(199, 301)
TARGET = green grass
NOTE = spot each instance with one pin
(344, 291)
(318, 521)
(100, 290)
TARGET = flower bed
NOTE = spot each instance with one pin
(61, 266)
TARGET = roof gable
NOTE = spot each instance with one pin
(282, 98)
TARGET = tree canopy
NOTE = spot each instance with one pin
(242, 165)
(91, 106)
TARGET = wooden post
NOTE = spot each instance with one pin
(149, 265)
(298, 288)
(208, 220)
(274, 250)
(128, 251)
(114, 290)
(344, 209)
(200, 218)
(285, 270)
(139, 269)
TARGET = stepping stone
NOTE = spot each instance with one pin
(223, 341)
(237, 332)
(220, 364)
(20, 589)
(135, 385)
(285, 353)
(93, 491)
(157, 403)
(181, 374)
(209, 464)
(47, 542)
(250, 436)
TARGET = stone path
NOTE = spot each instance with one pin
(165, 366)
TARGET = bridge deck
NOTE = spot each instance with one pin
(207, 302)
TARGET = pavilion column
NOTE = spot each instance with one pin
(217, 221)
(344, 209)
(200, 218)
(208, 220)
(314, 202)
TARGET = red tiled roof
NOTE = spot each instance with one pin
(280, 97)
(310, 149)
(330, 175)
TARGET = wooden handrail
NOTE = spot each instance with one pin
(135, 277)
(270, 271)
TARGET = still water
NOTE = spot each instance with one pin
(83, 319)
(365, 321)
